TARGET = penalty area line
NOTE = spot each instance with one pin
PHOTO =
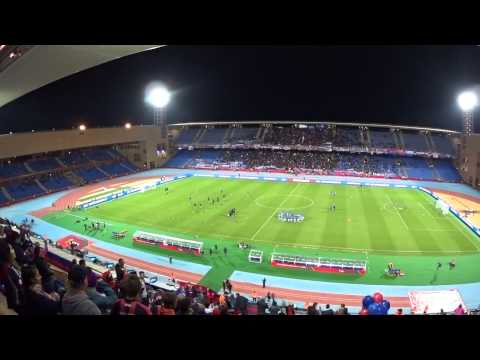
(274, 212)
(398, 212)
(89, 218)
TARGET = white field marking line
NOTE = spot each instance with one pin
(308, 246)
(89, 218)
(429, 213)
(346, 249)
(398, 212)
(292, 208)
(274, 212)
(456, 222)
(426, 210)
(320, 247)
(434, 230)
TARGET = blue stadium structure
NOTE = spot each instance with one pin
(327, 148)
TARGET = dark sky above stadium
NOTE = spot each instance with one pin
(409, 85)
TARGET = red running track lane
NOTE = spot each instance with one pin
(74, 195)
(311, 297)
(180, 275)
(457, 194)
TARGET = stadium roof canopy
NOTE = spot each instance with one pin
(25, 68)
(289, 123)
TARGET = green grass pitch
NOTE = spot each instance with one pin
(373, 223)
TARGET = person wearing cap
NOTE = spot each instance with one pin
(76, 300)
(100, 292)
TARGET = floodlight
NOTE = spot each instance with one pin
(467, 101)
(128, 126)
(82, 127)
(158, 97)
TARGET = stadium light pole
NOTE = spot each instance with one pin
(467, 101)
(158, 97)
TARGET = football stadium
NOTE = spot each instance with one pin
(236, 217)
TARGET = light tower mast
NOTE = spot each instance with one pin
(467, 101)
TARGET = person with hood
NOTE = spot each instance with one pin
(76, 300)
(100, 292)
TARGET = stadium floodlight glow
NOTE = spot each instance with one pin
(82, 127)
(128, 126)
(467, 101)
(158, 97)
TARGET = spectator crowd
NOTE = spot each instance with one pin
(313, 162)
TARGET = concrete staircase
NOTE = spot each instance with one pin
(6, 193)
(395, 138)
(74, 178)
(40, 185)
(366, 141)
(109, 152)
(199, 135)
(431, 166)
(400, 139)
(259, 133)
(227, 136)
(127, 167)
(263, 134)
(435, 172)
(403, 171)
(62, 164)
(102, 171)
(28, 167)
(430, 143)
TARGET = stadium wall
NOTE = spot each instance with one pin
(469, 160)
(149, 137)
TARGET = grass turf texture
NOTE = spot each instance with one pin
(379, 224)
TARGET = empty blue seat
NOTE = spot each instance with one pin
(415, 142)
(55, 182)
(213, 136)
(23, 190)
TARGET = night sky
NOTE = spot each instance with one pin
(409, 85)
